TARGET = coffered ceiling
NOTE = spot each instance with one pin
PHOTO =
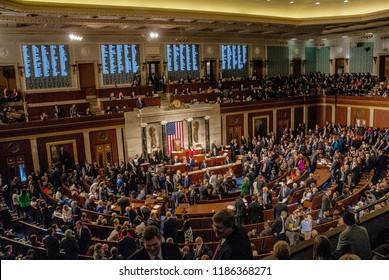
(248, 19)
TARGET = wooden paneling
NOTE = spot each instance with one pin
(35, 112)
(361, 114)
(328, 110)
(283, 121)
(87, 75)
(381, 118)
(341, 114)
(42, 151)
(298, 116)
(55, 96)
(14, 149)
(60, 126)
(200, 97)
(312, 114)
(142, 90)
(131, 103)
(234, 127)
(104, 137)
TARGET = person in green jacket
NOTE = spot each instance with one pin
(245, 186)
(24, 200)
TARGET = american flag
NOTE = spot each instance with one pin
(174, 130)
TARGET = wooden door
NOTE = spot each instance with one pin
(339, 66)
(281, 126)
(257, 68)
(16, 167)
(87, 78)
(7, 77)
(297, 67)
(234, 132)
(210, 69)
(104, 154)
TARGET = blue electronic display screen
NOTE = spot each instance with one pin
(46, 66)
(182, 60)
(119, 62)
(234, 60)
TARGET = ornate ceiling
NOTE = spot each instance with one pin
(255, 19)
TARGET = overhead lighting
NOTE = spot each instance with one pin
(344, 36)
(291, 2)
(74, 37)
(154, 35)
(293, 39)
(324, 39)
(317, 3)
(345, 1)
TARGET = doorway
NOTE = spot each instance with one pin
(87, 78)
(339, 66)
(296, 67)
(210, 70)
(7, 77)
(257, 68)
(104, 154)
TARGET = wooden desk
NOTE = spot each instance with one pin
(203, 210)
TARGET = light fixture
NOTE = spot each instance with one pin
(345, 1)
(74, 37)
(99, 67)
(317, 3)
(346, 60)
(375, 59)
(331, 60)
(291, 2)
(153, 35)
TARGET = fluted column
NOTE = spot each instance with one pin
(164, 147)
(207, 134)
(190, 140)
(144, 140)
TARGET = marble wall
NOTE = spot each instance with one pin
(152, 118)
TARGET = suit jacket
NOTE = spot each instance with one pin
(169, 252)
(170, 229)
(278, 208)
(71, 248)
(235, 247)
(83, 240)
(126, 247)
(276, 227)
(193, 197)
(325, 203)
(355, 240)
(204, 250)
(255, 212)
(268, 201)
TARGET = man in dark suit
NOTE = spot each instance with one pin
(154, 248)
(201, 249)
(255, 211)
(234, 243)
(83, 237)
(192, 196)
(241, 211)
(127, 245)
(279, 207)
(69, 246)
(52, 245)
(284, 192)
(170, 227)
(278, 227)
(159, 155)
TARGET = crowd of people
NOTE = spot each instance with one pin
(10, 114)
(264, 159)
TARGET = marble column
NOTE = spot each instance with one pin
(144, 140)
(207, 134)
(190, 138)
(88, 154)
(35, 155)
(164, 147)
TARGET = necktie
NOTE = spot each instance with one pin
(157, 258)
(217, 250)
